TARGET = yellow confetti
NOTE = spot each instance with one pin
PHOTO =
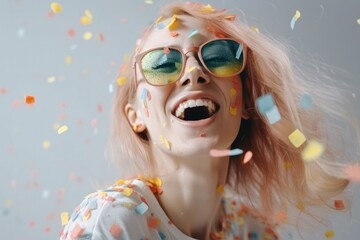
(64, 218)
(102, 194)
(255, 29)
(127, 191)
(51, 79)
(127, 204)
(220, 188)
(297, 14)
(87, 35)
(165, 142)
(233, 110)
(62, 129)
(121, 80)
(85, 20)
(300, 206)
(297, 138)
(88, 14)
(287, 164)
(55, 7)
(86, 215)
(294, 19)
(312, 151)
(207, 9)
(232, 92)
(358, 21)
(329, 234)
(148, 1)
(159, 19)
(46, 144)
(174, 23)
(8, 203)
(68, 60)
(190, 69)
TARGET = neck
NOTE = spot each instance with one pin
(190, 197)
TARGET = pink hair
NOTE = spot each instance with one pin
(264, 180)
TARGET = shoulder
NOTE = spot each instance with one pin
(118, 211)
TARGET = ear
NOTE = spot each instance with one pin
(134, 118)
(245, 113)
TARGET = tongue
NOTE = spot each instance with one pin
(196, 113)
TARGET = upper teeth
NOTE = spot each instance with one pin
(194, 103)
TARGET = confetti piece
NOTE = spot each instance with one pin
(174, 34)
(77, 231)
(306, 101)
(20, 32)
(273, 115)
(29, 100)
(233, 110)
(230, 17)
(297, 138)
(71, 32)
(220, 188)
(148, 1)
(141, 208)
(68, 59)
(329, 234)
(101, 37)
(225, 152)
(193, 32)
(265, 103)
(51, 79)
(287, 164)
(84, 20)
(239, 52)
(247, 157)
(121, 80)
(207, 9)
(87, 35)
(55, 7)
(339, 205)
(115, 230)
(166, 50)
(294, 19)
(127, 192)
(86, 215)
(353, 172)
(62, 129)
(174, 23)
(300, 206)
(64, 218)
(153, 222)
(164, 141)
(232, 92)
(45, 194)
(312, 151)
(190, 69)
(255, 29)
(358, 21)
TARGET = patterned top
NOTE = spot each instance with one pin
(130, 210)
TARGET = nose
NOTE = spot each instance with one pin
(194, 73)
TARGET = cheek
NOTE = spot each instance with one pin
(235, 97)
(145, 98)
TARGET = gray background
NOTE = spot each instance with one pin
(38, 184)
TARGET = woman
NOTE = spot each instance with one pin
(213, 141)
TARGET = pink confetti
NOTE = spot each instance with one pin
(225, 152)
(353, 172)
(115, 230)
(71, 32)
(247, 157)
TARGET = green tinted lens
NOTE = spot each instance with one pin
(162, 66)
(223, 58)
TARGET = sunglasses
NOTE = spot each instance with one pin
(223, 58)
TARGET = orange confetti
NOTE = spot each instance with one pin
(101, 37)
(230, 17)
(329, 234)
(247, 157)
(29, 100)
(220, 188)
(339, 205)
(115, 230)
(174, 34)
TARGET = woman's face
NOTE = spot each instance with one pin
(197, 113)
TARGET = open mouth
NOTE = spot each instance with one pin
(196, 109)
